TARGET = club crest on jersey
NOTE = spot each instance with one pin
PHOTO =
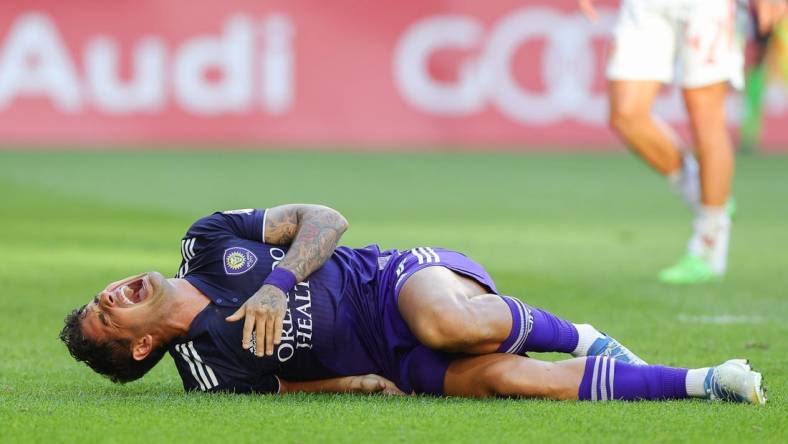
(238, 260)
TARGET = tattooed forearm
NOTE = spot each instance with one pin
(312, 232)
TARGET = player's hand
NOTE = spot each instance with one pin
(371, 384)
(587, 6)
(263, 316)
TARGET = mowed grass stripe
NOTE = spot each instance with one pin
(580, 235)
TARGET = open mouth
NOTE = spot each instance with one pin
(133, 292)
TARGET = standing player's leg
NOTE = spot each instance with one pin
(599, 378)
(641, 59)
(707, 251)
(451, 312)
(712, 60)
(651, 138)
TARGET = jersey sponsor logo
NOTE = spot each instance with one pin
(296, 326)
(238, 260)
(241, 211)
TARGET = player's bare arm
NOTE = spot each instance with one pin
(362, 384)
(312, 231)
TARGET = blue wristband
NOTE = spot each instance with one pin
(282, 279)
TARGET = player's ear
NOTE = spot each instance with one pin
(142, 347)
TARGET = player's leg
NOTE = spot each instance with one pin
(599, 379)
(651, 138)
(641, 59)
(712, 61)
(631, 117)
(449, 311)
(706, 110)
(707, 251)
(510, 375)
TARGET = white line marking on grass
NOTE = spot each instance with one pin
(720, 319)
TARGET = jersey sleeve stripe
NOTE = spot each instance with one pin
(188, 360)
(191, 247)
(198, 363)
(183, 249)
(208, 369)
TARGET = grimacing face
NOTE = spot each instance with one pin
(126, 309)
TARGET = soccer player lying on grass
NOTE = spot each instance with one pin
(264, 301)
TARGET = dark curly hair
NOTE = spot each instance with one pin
(111, 359)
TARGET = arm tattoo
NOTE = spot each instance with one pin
(312, 232)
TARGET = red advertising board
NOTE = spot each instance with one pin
(313, 73)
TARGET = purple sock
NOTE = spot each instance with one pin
(537, 330)
(606, 379)
(521, 327)
(550, 333)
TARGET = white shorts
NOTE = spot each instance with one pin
(701, 37)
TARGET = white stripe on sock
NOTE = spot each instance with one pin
(594, 378)
(603, 379)
(518, 343)
(612, 377)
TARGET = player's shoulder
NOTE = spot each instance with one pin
(195, 371)
(201, 370)
(223, 222)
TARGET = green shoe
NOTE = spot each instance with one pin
(689, 270)
(730, 207)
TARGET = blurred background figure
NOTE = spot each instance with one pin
(768, 62)
(695, 43)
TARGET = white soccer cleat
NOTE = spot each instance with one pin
(735, 381)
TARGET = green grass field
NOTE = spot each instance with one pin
(581, 235)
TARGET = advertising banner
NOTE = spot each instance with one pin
(520, 74)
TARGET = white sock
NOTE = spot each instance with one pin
(586, 335)
(686, 181)
(694, 382)
(711, 236)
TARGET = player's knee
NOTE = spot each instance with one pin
(625, 115)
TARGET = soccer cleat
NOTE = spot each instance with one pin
(735, 381)
(690, 269)
(607, 346)
(730, 207)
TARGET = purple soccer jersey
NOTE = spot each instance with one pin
(342, 320)
(224, 256)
